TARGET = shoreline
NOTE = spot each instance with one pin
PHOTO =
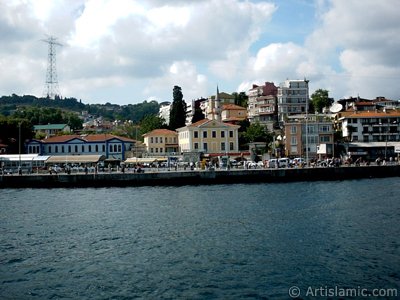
(196, 177)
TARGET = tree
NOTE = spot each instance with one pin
(257, 133)
(241, 99)
(198, 115)
(320, 99)
(150, 123)
(177, 115)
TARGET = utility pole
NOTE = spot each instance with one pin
(307, 162)
(51, 89)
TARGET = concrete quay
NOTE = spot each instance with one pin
(178, 178)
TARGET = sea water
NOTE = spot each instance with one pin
(250, 241)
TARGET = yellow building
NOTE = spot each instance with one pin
(232, 113)
(209, 136)
(160, 142)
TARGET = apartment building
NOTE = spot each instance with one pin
(293, 98)
(263, 105)
(311, 135)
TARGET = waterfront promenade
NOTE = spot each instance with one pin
(154, 177)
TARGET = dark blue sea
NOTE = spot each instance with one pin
(240, 241)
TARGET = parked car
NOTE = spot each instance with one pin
(273, 163)
(284, 162)
(299, 162)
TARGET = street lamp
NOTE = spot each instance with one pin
(19, 147)
(307, 81)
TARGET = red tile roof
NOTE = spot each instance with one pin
(374, 114)
(232, 107)
(160, 132)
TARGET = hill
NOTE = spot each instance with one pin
(134, 112)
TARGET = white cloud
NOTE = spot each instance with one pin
(137, 48)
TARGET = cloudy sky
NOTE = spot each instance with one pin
(127, 51)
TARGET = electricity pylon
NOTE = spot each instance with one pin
(51, 87)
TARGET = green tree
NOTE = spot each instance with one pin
(177, 115)
(198, 115)
(320, 99)
(14, 132)
(241, 99)
(257, 133)
(150, 123)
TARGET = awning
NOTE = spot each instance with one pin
(141, 160)
(75, 159)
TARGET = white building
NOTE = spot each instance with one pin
(293, 96)
(164, 111)
(111, 146)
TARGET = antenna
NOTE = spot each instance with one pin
(51, 86)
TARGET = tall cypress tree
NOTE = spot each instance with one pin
(177, 115)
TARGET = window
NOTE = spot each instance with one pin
(49, 149)
(151, 150)
(119, 148)
(231, 146)
(156, 150)
(76, 148)
(222, 134)
(293, 140)
(161, 150)
(222, 146)
(90, 148)
(156, 139)
(161, 139)
(62, 149)
(115, 148)
(69, 149)
(325, 138)
(293, 129)
(83, 148)
(111, 148)
(56, 149)
(205, 134)
(151, 140)
(195, 134)
(205, 146)
(97, 148)
(196, 146)
(325, 128)
(231, 133)
(214, 134)
(104, 148)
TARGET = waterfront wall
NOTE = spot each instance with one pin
(175, 178)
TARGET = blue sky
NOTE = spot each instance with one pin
(127, 51)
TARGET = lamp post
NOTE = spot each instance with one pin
(306, 81)
(19, 148)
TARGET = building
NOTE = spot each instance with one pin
(164, 111)
(111, 146)
(293, 98)
(263, 106)
(233, 114)
(161, 142)
(209, 136)
(51, 129)
(316, 142)
(212, 107)
(371, 134)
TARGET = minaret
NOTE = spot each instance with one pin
(217, 107)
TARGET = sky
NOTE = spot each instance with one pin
(128, 51)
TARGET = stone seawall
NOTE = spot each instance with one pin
(196, 177)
